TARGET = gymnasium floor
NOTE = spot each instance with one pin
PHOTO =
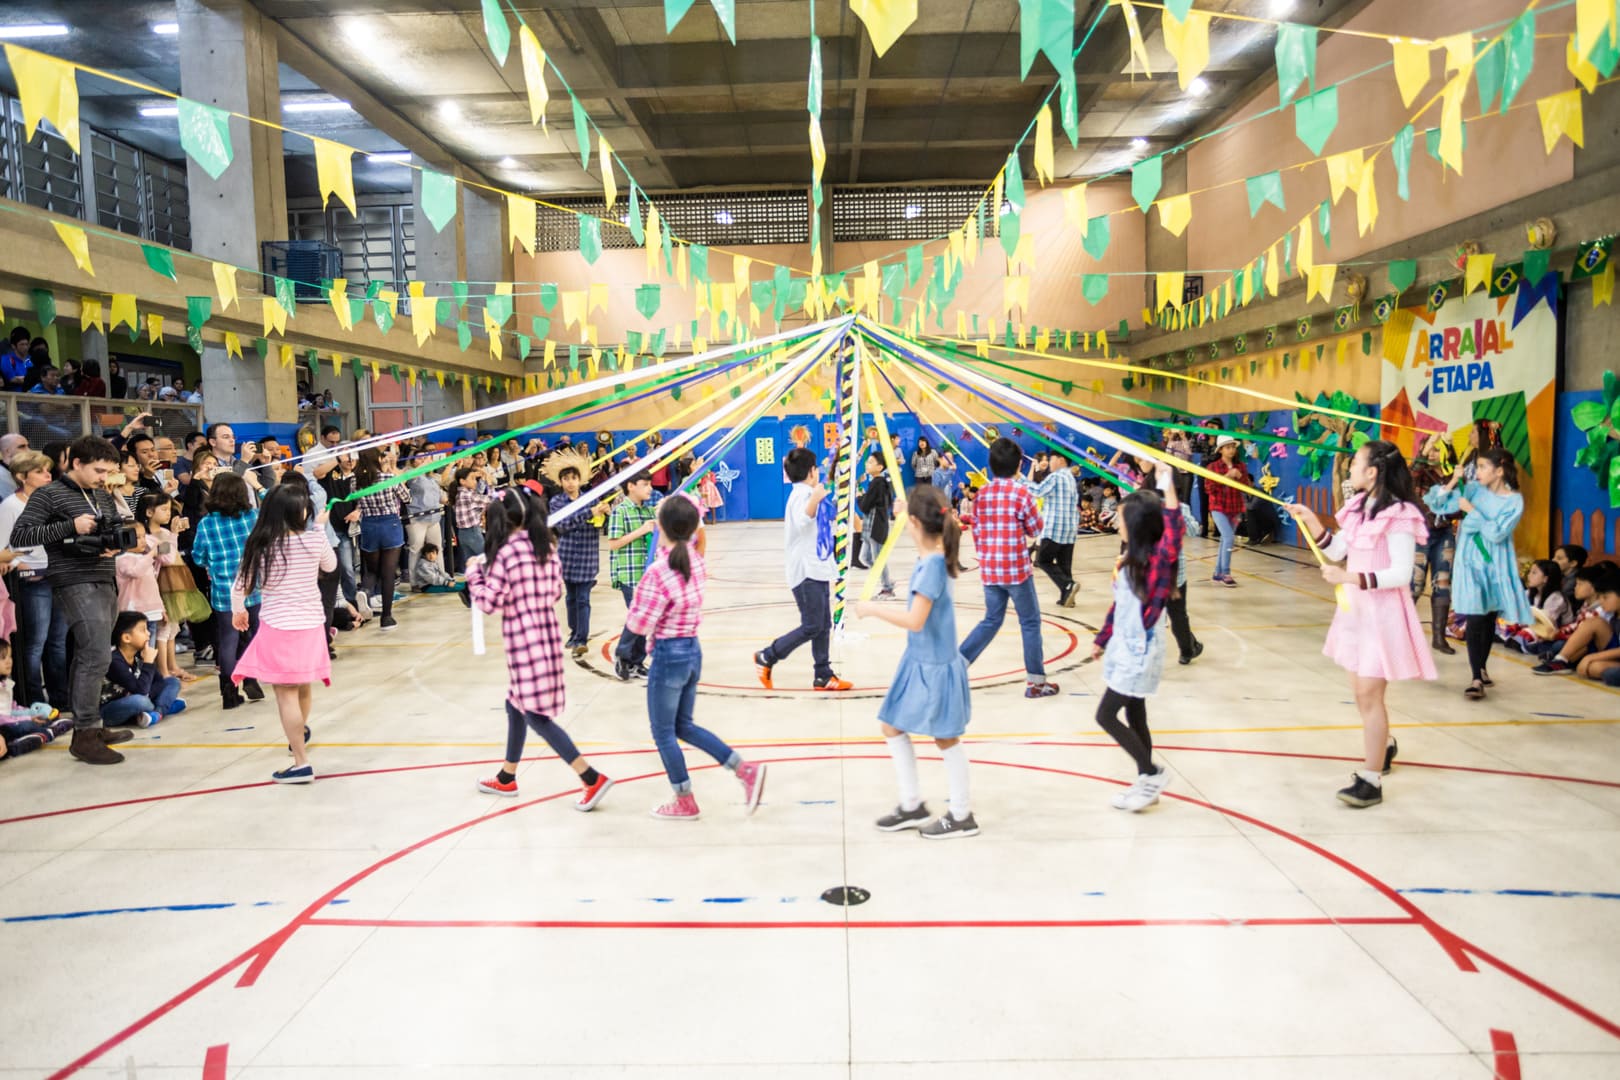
(178, 916)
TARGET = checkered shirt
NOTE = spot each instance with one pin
(1060, 505)
(1004, 514)
(216, 546)
(524, 592)
(470, 508)
(388, 501)
(578, 549)
(1161, 575)
(667, 605)
(627, 564)
(1227, 500)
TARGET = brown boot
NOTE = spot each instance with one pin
(88, 747)
(1440, 612)
(110, 737)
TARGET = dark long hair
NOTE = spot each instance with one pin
(927, 505)
(1394, 479)
(285, 512)
(1143, 511)
(518, 509)
(368, 469)
(678, 521)
(1554, 582)
(1504, 461)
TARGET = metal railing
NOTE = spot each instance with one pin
(48, 418)
(315, 419)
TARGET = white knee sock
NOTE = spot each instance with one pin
(956, 779)
(905, 770)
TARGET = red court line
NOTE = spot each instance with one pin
(214, 1063)
(258, 956)
(1506, 1051)
(853, 924)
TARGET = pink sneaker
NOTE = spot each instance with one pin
(752, 777)
(680, 808)
(592, 795)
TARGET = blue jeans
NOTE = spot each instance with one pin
(869, 554)
(1223, 561)
(469, 542)
(347, 562)
(815, 626)
(579, 611)
(1022, 596)
(632, 648)
(44, 634)
(518, 724)
(229, 643)
(671, 698)
(123, 710)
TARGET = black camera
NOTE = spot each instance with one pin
(112, 535)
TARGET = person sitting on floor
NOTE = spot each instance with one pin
(134, 692)
(24, 728)
(1593, 648)
(429, 575)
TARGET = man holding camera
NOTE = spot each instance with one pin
(77, 522)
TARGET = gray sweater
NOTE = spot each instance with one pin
(48, 520)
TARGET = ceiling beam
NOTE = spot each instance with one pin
(863, 76)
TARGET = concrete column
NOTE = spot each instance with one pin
(93, 346)
(228, 59)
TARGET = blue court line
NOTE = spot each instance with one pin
(1559, 715)
(59, 915)
(1561, 894)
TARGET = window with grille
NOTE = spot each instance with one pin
(722, 218)
(900, 213)
(43, 171)
(378, 245)
(168, 203)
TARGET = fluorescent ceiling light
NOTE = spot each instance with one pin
(1139, 143)
(1279, 8)
(166, 28)
(160, 110)
(32, 30)
(449, 110)
(723, 217)
(390, 157)
(506, 163)
(1198, 87)
(912, 211)
(315, 106)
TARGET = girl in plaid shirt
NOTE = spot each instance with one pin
(666, 609)
(517, 578)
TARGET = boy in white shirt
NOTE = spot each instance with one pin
(810, 572)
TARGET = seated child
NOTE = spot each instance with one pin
(24, 728)
(134, 693)
(1570, 558)
(1593, 647)
(1543, 587)
(1110, 506)
(429, 575)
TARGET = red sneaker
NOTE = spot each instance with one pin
(752, 777)
(680, 808)
(1040, 690)
(833, 682)
(593, 794)
(493, 786)
(763, 670)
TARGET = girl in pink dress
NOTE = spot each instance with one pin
(1377, 637)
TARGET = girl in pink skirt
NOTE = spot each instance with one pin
(284, 555)
(1377, 638)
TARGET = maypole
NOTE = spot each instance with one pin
(849, 412)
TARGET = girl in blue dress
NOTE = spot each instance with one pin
(1485, 578)
(929, 694)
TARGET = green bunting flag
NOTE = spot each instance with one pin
(312, 360)
(198, 310)
(357, 367)
(638, 228)
(1296, 59)
(541, 326)
(1402, 272)
(499, 307)
(1045, 26)
(590, 238)
(262, 347)
(914, 264)
(582, 132)
(161, 260)
(205, 135)
(444, 311)
(1012, 227)
(1324, 222)
(438, 198)
(194, 339)
(1015, 182)
(1505, 279)
(524, 346)
(1520, 45)
(459, 290)
(548, 298)
(1315, 117)
(463, 334)
(1535, 265)
(648, 299)
(1147, 176)
(1093, 287)
(1489, 67)
(697, 256)
(496, 31)
(1262, 189)
(1096, 240)
(1401, 153)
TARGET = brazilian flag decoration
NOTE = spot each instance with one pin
(1505, 281)
(1591, 257)
(1438, 295)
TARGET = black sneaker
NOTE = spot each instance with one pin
(252, 690)
(1189, 657)
(388, 623)
(904, 819)
(1361, 794)
(1066, 594)
(1556, 666)
(623, 668)
(1389, 755)
(306, 739)
(948, 828)
(640, 671)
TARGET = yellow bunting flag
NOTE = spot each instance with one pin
(961, 325)
(610, 186)
(590, 333)
(1170, 285)
(1139, 53)
(47, 90)
(275, 316)
(89, 313)
(1560, 116)
(1585, 72)
(551, 353)
(493, 330)
(1477, 272)
(78, 245)
(598, 300)
(1603, 285)
(957, 252)
(123, 311)
(1074, 207)
(1273, 270)
(1023, 256)
(225, 285)
(655, 238)
(681, 267)
(233, 345)
(1174, 213)
(1045, 169)
(1043, 341)
(742, 272)
(970, 242)
(286, 352)
(1366, 199)
(390, 299)
(338, 296)
(1344, 173)
(573, 305)
(1188, 43)
(1593, 18)
(334, 172)
(1459, 52)
(154, 329)
(521, 220)
(870, 273)
(1320, 281)
(1014, 294)
(534, 74)
(1411, 68)
(1305, 257)
(1451, 122)
(885, 20)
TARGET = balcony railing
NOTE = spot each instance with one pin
(48, 418)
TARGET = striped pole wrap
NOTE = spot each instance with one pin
(849, 419)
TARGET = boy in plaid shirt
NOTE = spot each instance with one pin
(1004, 518)
(629, 541)
(580, 556)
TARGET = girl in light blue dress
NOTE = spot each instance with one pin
(929, 694)
(1485, 578)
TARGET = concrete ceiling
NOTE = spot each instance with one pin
(687, 109)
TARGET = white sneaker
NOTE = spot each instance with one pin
(1144, 793)
(1157, 782)
(362, 604)
(1123, 797)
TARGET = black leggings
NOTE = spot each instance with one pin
(1179, 624)
(1135, 740)
(1480, 634)
(381, 570)
(517, 733)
